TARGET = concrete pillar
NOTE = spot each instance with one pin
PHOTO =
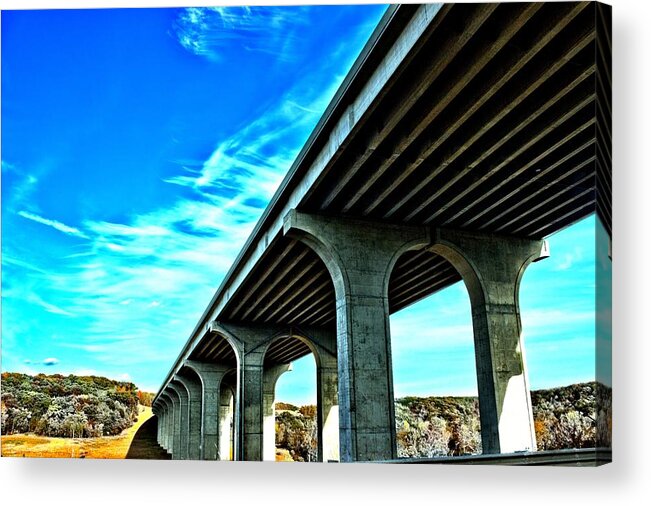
(327, 408)
(184, 419)
(270, 378)
(252, 405)
(211, 376)
(176, 422)
(168, 425)
(226, 423)
(161, 423)
(360, 256)
(156, 414)
(193, 387)
(492, 268)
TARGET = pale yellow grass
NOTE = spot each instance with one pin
(109, 447)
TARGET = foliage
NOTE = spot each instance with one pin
(576, 416)
(296, 431)
(437, 426)
(145, 398)
(67, 406)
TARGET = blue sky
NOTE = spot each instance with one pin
(139, 148)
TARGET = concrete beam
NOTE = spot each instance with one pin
(492, 268)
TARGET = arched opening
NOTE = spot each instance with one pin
(293, 429)
(433, 359)
(216, 361)
(191, 381)
(558, 302)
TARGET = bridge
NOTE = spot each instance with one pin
(462, 137)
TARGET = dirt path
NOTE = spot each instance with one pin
(109, 447)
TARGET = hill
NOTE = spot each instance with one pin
(574, 416)
(67, 406)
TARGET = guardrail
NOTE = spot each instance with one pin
(583, 457)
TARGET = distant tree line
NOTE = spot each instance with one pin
(67, 406)
(575, 416)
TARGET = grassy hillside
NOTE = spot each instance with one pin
(107, 447)
(67, 406)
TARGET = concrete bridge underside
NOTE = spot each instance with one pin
(463, 136)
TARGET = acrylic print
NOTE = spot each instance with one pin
(342, 233)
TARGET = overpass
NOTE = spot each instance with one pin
(462, 137)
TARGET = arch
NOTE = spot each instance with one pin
(439, 308)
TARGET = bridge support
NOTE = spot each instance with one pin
(175, 431)
(226, 423)
(165, 424)
(360, 256)
(183, 419)
(270, 378)
(211, 376)
(327, 408)
(492, 268)
(193, 388)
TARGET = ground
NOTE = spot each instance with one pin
(110, 447)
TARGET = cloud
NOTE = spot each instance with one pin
(61, 227)
(175, 256)
(208, 31)
(50, 361)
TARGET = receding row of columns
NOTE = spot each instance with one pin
(355, 400)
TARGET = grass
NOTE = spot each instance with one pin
(109, 447)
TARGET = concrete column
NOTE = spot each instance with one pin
(168, 426)
(184, 419)
(270, 378)
(226, 424)
(176, 423)
(211, 376)
(492, 268)
(360, 256)
(156, 414)
(193, 387)
(252, 405)
(327, 408)
(163, 422)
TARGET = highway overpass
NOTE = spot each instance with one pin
(462, 137)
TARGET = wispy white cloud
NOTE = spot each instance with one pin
(207, 31)
(23, 186)
(61, 227)
(137, 285)
(50, 361)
